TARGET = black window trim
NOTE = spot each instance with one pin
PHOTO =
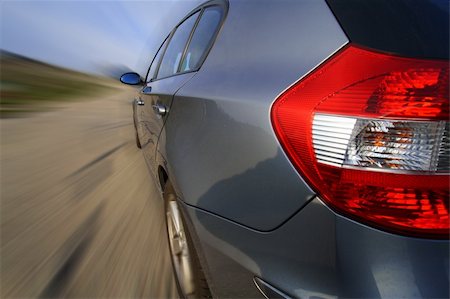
(188, 42)
(172, 33)
(158, 62)
(220, 3)
(162, 56)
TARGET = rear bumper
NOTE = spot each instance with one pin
(319, 253)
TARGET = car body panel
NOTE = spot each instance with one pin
(156, 92)
(248, 210)
(320, 254)
(222, 150)
(137, 115)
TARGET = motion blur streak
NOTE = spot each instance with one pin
(80, 215)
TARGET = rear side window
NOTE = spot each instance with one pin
(202, 38)
(152, 71)
(174, 51)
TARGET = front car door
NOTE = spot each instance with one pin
(139, 101)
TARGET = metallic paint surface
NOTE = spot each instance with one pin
(218, 140)
(159, 92)
(249, 211)
(320, 254)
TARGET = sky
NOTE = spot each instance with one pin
(90, 36)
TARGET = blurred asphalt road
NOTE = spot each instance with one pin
(80, 214)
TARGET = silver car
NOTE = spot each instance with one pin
(302, 148)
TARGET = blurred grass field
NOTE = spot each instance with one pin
(30, 86)
(80, 215)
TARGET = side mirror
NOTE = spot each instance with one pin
(131, 79)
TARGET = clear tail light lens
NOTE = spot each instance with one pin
(370, 133)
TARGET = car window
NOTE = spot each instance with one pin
(153, 67)
(174, 52)
(202, 38)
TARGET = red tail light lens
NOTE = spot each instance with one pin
(370, 133)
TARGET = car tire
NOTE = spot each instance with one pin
(189, 276)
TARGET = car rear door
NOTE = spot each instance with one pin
(157, 94)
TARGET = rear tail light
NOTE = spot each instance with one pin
(370, 134)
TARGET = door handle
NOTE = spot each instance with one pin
(140, 102)
(159, 109)
(147, 90)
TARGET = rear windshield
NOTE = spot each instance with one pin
(415, 28)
